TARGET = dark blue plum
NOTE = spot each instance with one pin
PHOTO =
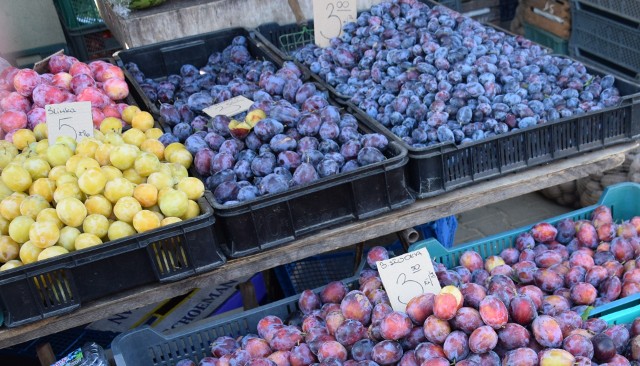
(222, 161)
(305, 173)
(199, 123)
(199, 101)
(214, 141)
(328, 167)
(220, 125)
(182, 131)
(307, 143)
(226, 191)
(213, 181)
(169, 114)
(327, 146)
(231, 147)
(263, 164)
(167, 139)
(369, 155)
(195, 143)
(248, 193)
(349, 166)
(273, 183)
(242, 168)
(289, 159)
(280, 143)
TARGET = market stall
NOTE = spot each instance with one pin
(225, 156)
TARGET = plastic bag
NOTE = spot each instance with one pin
(91, 354)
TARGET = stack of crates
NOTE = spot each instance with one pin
(87, 36)
(606, 33)
(548, 22)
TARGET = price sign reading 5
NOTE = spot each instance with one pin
(407, 276)
(329, 18)
(229, 107)
(69, 119)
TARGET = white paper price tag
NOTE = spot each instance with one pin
(229, 107)
(407, 276)
(69, 119)
(329, 16)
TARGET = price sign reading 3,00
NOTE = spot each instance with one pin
(329, 18)
(407, 276)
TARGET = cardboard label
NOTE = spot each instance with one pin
(229, 107)
(69, 119)
(329, 16)
(407, 276)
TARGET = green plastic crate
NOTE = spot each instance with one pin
(624, 201)
(541, 36)
(77, 15)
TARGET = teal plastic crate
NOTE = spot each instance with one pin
(623, 316)
(541, 36)
(77, 15)
(624, 201)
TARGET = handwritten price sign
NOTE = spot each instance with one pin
(329, 16)
(69, 119)
(407, 276)
(229, 107)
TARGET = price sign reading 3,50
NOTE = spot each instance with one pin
(69, 119)
(407, 276)
(329, 16)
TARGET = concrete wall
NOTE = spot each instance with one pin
(181, 18)
(27, 24)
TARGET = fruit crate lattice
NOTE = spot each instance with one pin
(613, 40)
(629, 9)
(61, 284)
(315, 271)
(78, 15)
(145, 346)
(92, 44)
(444, 167)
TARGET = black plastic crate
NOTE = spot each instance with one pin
(629, 9)
(436, 169)
(93, 43)
(158, 61)
(280, 218)
(276, 219)
(604, 64)
(62, 343)
(59, 285)
(606, 36)
(145, 346)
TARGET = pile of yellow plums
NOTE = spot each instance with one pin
(72, 195)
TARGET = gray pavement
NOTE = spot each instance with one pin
(506, 215)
